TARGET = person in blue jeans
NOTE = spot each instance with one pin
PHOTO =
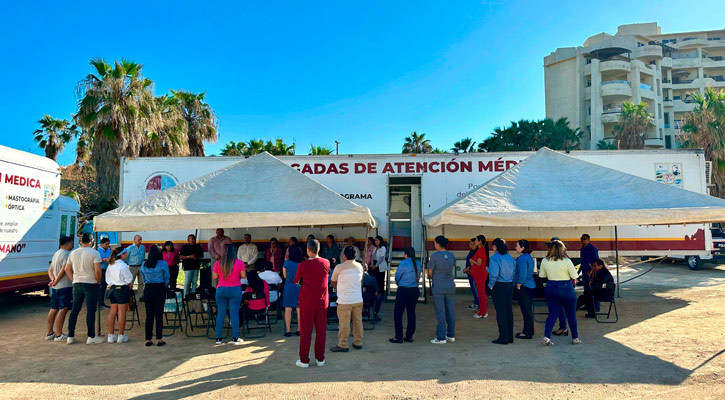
(472, 246)
(559, 292)
(406, 277)
(229, 272)
(441, 268)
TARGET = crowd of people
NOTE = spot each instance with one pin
(303, 274)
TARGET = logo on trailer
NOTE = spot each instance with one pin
(159, 181)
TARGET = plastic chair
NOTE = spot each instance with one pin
(133, 309)
(332, 309)
(277, 304)
(197, 314)
(368, 311)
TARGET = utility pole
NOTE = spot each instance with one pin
(337, 147)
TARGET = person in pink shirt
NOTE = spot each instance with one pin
(217, 244)
(228, 272)
(257, 285)
(171, 256)
(274, 255)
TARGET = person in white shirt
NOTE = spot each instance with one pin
(347, 279)
(61, 291)
(248, 251)
(119, 279)
(272, 278)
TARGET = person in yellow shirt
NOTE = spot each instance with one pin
(560, 271)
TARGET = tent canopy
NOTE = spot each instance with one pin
(261, 191)
(550, 189)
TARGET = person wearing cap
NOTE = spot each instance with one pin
(119, 279)
(560, 271)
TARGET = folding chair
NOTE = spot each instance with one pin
(173, 308)
(606, 295)
(248, 313)
(133, 309)
(197, 314)
(368, 311)
(539, 299)
(332, 309)
(277, 304)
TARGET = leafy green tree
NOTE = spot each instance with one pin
(257, 146)
(528, 135)
(201, 121)
(83, 147)
(704, 128)
(438, 151)
(320, 150)
(279, 148)
(633, 126)
(417, 144)
(465, 145)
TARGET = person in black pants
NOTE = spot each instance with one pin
(598, 276)
(525, 285)
(155, 273)
(406, 298)
(501, 275)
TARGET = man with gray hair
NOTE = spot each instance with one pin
(136, 254)
(313, 275)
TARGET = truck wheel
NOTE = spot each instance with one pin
(694, 262)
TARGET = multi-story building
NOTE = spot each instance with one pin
(588, 84)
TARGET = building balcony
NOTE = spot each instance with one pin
(687, 62)
(614, 65)
(616, 88)
(713, 62)
(666, 62)
(611, 116)
(681, 106)
(655, 143)
(667, 102)
(649, 51)
(666, 84)
(693, 42)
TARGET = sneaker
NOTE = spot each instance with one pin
(473, 307)
(338, 349)
(122, 338)
(301, 364)
(450, 339)
(478, 316)
(219, 341)
(62, 338)
(320, 363)
(50, 336)
(436, 341)
(356, 347)
(95, 340)
(237, 341)
(70, 340)
(485, 315)
(288, 334)
(112, 338)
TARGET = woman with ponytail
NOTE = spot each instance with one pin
(479, 261)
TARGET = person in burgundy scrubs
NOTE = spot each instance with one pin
(313, 276)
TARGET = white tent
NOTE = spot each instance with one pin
(261, 191)
(550, 189)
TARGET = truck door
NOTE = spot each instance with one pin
(405, 224)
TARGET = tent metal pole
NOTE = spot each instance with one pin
(616, 255)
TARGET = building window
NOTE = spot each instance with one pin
(589, 83)
(668, 142)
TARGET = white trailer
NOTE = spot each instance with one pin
(399, 189)
(33, 216)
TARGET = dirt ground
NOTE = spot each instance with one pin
(668, 343)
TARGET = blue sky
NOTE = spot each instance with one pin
(365, 73)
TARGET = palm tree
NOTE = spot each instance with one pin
(118, 111)
(53, 135)
(234, 149)
(437, 151)
(83, 147)
(201, 121)
(465, 145)
(605, 145)
(704, 128)
(170, 138)
(633, 126)
(279, 148)
(320, 150)
(416, 144)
